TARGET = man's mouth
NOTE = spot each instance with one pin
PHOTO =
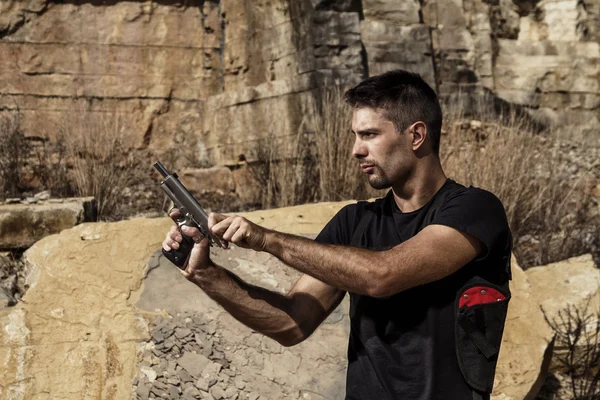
(368, 168)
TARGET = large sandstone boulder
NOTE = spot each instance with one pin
(527, 343)
(21, 225)
(573, 282)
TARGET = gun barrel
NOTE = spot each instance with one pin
(161, 168)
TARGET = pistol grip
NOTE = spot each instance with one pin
(179, 257)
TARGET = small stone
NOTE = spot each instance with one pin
(198, 339)
(171, 367)
(143, 391)
(217, 393)
(12, 200)
(173, 392)
(212, 369)
(168, 344)
(239, 383)
(180, 333)
(253, 396)
(158, 392)
(192, 391)
(202, 384)
(158, 336)
(206, 352)
(45, 195)
(149, 372)
(194, 364)
(184, 376)
(211, 327)
(174, 380)
(157, 352)
(475, 124)
(231, 392)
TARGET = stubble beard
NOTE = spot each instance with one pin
(377, 180)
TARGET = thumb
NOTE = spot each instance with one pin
(199, 256)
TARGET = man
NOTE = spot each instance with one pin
(426, 267)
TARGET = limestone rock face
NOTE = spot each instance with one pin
(75, 316)
(213, 79)
(573, 282)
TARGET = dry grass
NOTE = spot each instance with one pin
(286, 170)
(104, 162)
(549, 207)
(16, 150)
(316, 164)
(550, 210)
(340, 178)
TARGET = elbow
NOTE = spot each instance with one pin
(381, 284)
(291, 338)
(379, 290)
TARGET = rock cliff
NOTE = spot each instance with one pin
(214, 77)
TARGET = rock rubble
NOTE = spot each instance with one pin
(185, 359)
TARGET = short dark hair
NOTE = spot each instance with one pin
(405, 99)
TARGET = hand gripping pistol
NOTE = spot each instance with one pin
(191, 214)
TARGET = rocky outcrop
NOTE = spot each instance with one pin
(22, 223)
(212, 79)
(88, 315)
(527, 343)
(574, 282)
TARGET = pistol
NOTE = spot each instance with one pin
(191, 214)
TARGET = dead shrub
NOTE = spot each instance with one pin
(577, 350)
(16, 150)
(104, 162)
(285, 170)
(50, 166)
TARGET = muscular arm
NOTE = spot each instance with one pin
(289, 319)
(434, 253)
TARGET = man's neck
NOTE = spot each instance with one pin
(414, 192)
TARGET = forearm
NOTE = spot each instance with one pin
(267, 312)
(347, 268)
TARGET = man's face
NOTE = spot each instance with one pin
(384, 154)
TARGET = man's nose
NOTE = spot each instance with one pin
(359, 150)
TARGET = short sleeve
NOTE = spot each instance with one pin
(339, 229)
(478, 213)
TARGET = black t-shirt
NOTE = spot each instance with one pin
(403, 346)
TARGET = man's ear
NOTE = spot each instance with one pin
(419, 134)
